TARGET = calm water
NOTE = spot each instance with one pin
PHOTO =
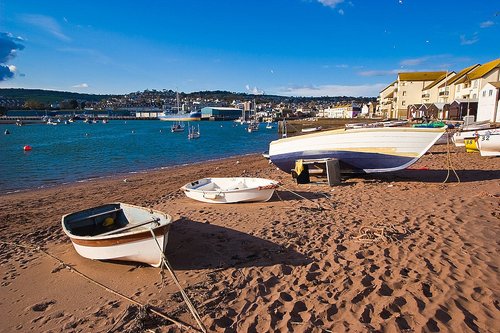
(79, 151)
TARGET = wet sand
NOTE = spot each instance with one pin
(395, 252)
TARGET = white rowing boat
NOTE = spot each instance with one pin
(489, 144)
(311, 129)
(230, 190)
(119, 231)
(460, 136)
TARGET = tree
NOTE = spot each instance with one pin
(73, 104)
(33, 105)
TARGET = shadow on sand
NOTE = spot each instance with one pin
(436, 176)
(196, 245)
(286, 195)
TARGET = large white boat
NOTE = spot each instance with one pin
(119, 231)
(180, 116)
(363, 150)
(192, 116)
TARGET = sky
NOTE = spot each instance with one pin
(308, 48)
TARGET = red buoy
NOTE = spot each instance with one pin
(27, 148)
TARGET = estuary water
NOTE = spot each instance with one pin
(79, 151)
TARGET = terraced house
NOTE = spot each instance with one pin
(444, 95)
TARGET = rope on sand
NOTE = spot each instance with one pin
(448, 159)
(74, 270)
(384, 233)
(300, 196)
(190, 305)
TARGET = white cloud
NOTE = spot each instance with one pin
(254, 90)
(468, 41)
(379, 72)
(341, 11)
(333, 90)
(486, 24)
(95, 55)
(12, 68)
(414, 62)
(330, 3)
(47, 24)
(81, 85)
(431, 61)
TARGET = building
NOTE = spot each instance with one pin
(430, 93)
(446, 91)
(342, 111)
(488, 103)
(11, 103)
(386, 100)
(409, 90)
(470, 84)
(221, 113)
(447, 95)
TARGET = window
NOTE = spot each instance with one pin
(484, 93)
(475, 83)
(403, 103)
(474, 96)
(458, 87)
(491, 93)
(404, 93)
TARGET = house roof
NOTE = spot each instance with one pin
(438, 80)
(480, 71)
(390, 85)
(495, 84)
(420, 76)
(459, 75)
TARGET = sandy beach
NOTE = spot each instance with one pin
(395, 252)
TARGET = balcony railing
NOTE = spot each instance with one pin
(426, 95)
(444, 93)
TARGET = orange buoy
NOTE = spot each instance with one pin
(27, 148)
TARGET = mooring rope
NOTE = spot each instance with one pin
(190, 305)
(74, 270)
(300, 196)
(448, 159)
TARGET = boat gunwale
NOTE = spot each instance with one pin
(164, 221)
(342, 131)
(125, 238)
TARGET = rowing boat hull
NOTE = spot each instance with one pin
(460, 136)
(489, 144)
(230, 190)
(135, 244)
(364, 150)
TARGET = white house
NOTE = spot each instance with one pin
(488, 107)
(365, 110)
(342, 111)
